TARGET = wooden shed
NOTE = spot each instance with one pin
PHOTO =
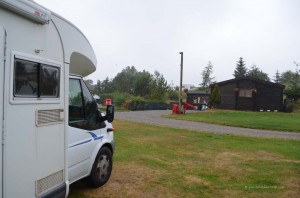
(198, 98)
(250, 94)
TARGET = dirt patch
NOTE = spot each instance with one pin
(127, 180)
(190, 179)
(226, 158)
(228, 163)
(263, 155)
(148, 139)
(292, 187)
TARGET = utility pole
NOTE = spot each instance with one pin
(180, 86)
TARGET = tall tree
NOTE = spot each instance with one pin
(125, 80)
(292, 82)
(106, 86)
(159, 87)
(207, 75)
(276, 78)
(97, 88)
(289, 78)
(142, 86)
(240, 69)
(297, 74)
(257, 73)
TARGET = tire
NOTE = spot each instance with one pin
(102, 168)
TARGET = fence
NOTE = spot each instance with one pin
(135, 106)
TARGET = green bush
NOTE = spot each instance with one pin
(118, 99)
(289, 107)
(137, 99)
(297, 107)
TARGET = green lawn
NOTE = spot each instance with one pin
(248, 119)
(152, 161)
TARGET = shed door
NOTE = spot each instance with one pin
(2, 39)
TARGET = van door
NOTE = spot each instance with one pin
(2, 47)
(85, 129)
(34, 149)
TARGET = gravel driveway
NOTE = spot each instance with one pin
(154, 117)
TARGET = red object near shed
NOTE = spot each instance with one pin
(108, 101)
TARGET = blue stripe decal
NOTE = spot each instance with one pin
(95, 136)
(84, 142)
(98, 138)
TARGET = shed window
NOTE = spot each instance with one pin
(245, 93)
(34, 80)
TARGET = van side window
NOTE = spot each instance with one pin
(83, 110)
(26, 79)
(49, 81)
(75, 101)
(90, 107)
(35, 80)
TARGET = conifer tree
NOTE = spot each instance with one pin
(277, 77)
(207, 79)
(240, 69)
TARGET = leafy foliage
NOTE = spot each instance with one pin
(142, 86)
(172, 94)
(292, 82)
(159, 87)
(118, 98)
(215, 97)
(125, 80)
(132, 83)
(138, 99)
(106, 86)
(293, 92)
(289, 78)
(257, 73)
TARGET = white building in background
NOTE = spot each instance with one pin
(188, 86)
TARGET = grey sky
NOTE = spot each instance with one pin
(149, 34)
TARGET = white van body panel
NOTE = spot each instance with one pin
(2, 48)
(28, 152)
(83, 147)
(34, 156)
(78, 51)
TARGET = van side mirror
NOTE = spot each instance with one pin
(110, 113)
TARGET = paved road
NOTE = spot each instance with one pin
(154, 117)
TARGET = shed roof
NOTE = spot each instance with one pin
(250, 79)
(194, 92)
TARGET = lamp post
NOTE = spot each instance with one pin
(180, 85)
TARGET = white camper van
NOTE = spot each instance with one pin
(52, 131)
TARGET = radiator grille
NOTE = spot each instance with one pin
(46, 117)
(49, 182)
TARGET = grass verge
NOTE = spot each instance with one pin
(153, 161)
(247, 119)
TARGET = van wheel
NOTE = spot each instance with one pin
(101, 168)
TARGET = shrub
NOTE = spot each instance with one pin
(118, 99)
(289, 107)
